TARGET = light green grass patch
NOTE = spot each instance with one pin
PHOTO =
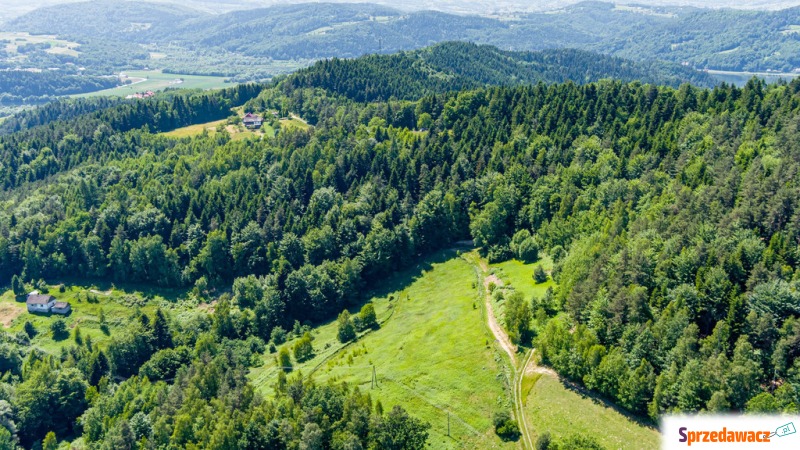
(433, 355)
(293, 123)
(551, 407)
(59, 46)
(519, 275)
(791, 29)
(155, 80)
(194, 130)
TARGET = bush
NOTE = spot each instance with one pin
(347, 330)
(499, 253)
(41, 286)
(303, 349)
(579, 442)
(528, 250)
(505, 426)
(367, 317)
(558, 253)
(30, 330)
(17, 286)
(59, 330)
(543, 441)
(278, 335)
(284, 360)
(539, 275)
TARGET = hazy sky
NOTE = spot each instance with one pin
(12, 8)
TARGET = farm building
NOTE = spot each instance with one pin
(61, 308)
(37, 302)
(252, 120)
(44, 303)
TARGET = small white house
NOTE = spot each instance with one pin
(41, 303)
(61, 308)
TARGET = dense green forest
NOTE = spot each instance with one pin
(23, 87)
(724, 39)
(455, 66)
(671, 215)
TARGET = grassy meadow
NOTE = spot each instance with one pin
(237, 132)
(432, 354)
(550, 406)
(155, 80)
(16, 39)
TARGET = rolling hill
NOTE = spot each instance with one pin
(723, 39)
(454, 66)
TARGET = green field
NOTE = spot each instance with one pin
(433, 354)
(294, 123)
(519, 276)
(155, 80)
(237, 132)
(552, 407)
(118, 307)
(16, 39)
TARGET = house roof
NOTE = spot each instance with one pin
(251, 117)
(61, 305)
(39, 299)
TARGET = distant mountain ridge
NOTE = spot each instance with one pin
(453, 66)
(704, 38)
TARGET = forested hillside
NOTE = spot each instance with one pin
(455, 66)
(671, 215)
(723, 39)
(23, 87)
(115, 20)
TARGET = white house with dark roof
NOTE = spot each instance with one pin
(61, 308)
(44, 303)
(41, 303)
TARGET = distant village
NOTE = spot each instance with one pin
(145, 94)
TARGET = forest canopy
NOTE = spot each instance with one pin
(671, 214)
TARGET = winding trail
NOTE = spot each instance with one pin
(502, 338)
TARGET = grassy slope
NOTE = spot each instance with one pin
(433, 355)
(117, 305)
(155, 80)
(552, 406)
(237, 132)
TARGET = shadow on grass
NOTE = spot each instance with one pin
(599, 399)
(406, 277)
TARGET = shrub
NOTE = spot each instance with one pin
(543, 441)
(278, 335)
(539, 275)
(505, 426)
(528, 250)
(284, 360)
(347, 330)
(499, 253)
(59, 330)
(367, 317)
(30, 330)
(303, 349)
